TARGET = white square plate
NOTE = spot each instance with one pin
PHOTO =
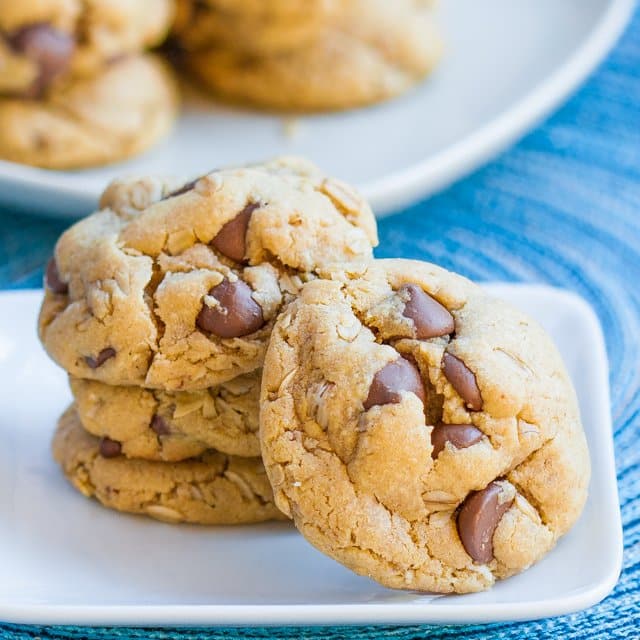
(65, 559)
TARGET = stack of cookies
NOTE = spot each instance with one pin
(76, 88)
(160, 306)
(413, 428)
(307, 55)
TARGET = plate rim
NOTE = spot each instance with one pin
(363, 613)
(401, 188)
(405, 186)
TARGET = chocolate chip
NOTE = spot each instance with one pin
(394, 378)
(101, 358)
(460, 436)
(53, 280)
(237, 313)
(110, 448)
(49, 48)
(160, 426)
(231, 239)
(187, 186)
(463, 380)
(478, 518)
(429, 317)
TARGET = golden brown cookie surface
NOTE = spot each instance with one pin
(159, 425)
(266, 28)
(419, 431)
(44, 41)
(212, 489)
(122, 110)
(182, 294)
(371, 53)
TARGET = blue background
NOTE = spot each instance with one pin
(561, 207)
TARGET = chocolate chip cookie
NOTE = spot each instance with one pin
(43, 42)
(212, 489)
(280, 8)
(371, 52)
(263, 29)
(160, 425)
(419, 431)
(122, 110)
(183, 294)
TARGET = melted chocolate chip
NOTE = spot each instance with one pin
(460, 436)
(231, 239)
(52, 278)
(478, 518)
(49, 48)
(110, 448)
(429, 317)
(390, 381)
(463, 380)
(101, 358)
(187, 186)
(237, 314)
(160, 426)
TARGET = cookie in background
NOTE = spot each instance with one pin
(76, 89)
(341, 55)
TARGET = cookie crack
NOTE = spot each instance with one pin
(244, 485)
(83, 469)
(514, 358)
(535, 503)
(149, 297)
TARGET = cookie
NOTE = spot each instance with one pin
(160, 425)
(95, 120)
(204, 25)
(44, 41)
(372, 53)
(183, 294)
(278, 8)
(212, 489)
(419, 431)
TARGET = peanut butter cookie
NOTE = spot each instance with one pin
(419, 431)
(44, 41)
(371, 52)
(261, 28)
(119, 112)
(160, 425)
(182, 295)
(212, 489)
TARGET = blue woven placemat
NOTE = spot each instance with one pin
(561, 207)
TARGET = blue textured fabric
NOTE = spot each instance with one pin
(561, 207)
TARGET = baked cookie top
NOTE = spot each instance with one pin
(211, 489)
(419, 431)
(280, 8)
(182, 294)
(88, 120)
(260, 28)
(42, 41)
(371, 52)
(152, 424)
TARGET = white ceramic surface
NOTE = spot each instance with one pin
(507, 64)
(65, 559)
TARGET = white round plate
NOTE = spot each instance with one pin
(507, 64)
